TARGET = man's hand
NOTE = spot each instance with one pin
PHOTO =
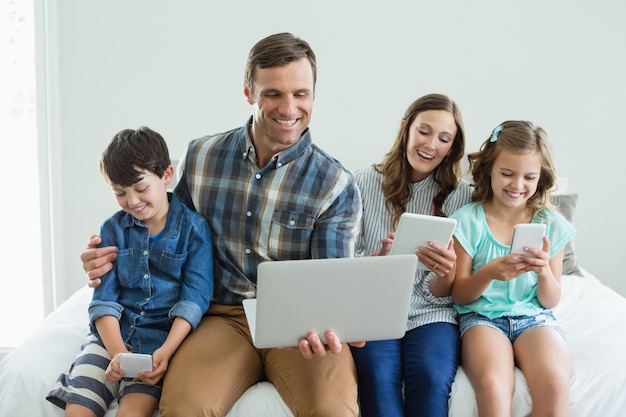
(97, 261)
(312, 345)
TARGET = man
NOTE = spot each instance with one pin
(268, 194)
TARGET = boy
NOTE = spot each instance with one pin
(157, 291)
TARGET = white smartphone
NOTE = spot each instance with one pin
(133, 363)
(529, 235)
(415, 230)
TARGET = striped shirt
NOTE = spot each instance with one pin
(303, 204)
(425, 308)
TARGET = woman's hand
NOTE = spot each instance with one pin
(440, 259)
(442, 262)
(385, 247)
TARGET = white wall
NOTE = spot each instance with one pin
(178, 68)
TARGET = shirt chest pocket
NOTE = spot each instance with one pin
(171, 264)
(290, 235)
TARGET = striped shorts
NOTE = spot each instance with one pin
(84, 382)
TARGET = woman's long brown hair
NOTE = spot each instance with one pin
(396, 169)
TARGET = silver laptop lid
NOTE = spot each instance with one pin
(358, 298)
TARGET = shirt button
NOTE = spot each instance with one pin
(145, 253)
(292, 222)
(146, 276)
(142, 313)
(248, 251)
(248, 213)
(279, 164)
(257, 176)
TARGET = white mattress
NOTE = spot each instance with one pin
(591, 316)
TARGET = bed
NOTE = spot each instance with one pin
(590, 313)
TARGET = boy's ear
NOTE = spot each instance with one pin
(168, 174)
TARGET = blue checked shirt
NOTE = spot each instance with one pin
(303, 204)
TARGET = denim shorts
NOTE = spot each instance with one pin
(511, 326)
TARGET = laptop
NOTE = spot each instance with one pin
(360, 299)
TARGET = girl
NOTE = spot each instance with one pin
(504, 300)
(420, 174)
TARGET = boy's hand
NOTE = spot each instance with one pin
(160, 362)
(113, 372)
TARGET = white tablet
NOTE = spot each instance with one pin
(415, 230)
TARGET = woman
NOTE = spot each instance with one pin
(421, 173)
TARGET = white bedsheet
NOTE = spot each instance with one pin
(591, 316)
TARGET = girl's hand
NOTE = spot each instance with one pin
(540, 261)
(508, 267)
(440, 259)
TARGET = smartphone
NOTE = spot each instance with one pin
(133, 363)
(529, 235)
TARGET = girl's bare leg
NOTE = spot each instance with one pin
(487, 357)
(543, 357)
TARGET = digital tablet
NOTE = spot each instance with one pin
(415, 230)
(133, 363)
(527, 234)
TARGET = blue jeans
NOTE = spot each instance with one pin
(425, 360)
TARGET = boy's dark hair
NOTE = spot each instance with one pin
(132, 151)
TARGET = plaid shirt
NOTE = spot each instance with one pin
(303, 204)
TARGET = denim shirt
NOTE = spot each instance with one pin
(153, 282)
